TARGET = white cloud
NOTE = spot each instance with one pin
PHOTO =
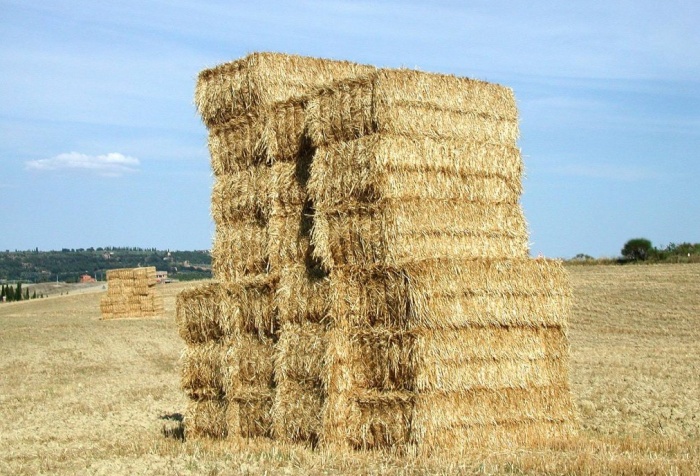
(112, 164)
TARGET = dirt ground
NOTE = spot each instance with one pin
(79, 395)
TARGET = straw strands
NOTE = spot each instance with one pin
(131, 292)
(252, 83)
(373, 287)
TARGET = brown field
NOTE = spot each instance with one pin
(84, 396)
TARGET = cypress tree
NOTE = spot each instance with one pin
(18, 292)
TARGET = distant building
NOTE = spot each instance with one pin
(161, 276)
(86, 278)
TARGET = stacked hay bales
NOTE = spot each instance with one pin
(131, 292)
(444, 333)
(372, 281)
(253, 109)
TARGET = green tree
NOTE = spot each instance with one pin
(18, 292)
(637, 249)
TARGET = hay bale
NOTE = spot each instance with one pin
(363, 420)
(202, 370)
(240, 250)
(273, 134)
(253, 413)
(302, 295)
(422, 360)
(384, 166)
(297, 412)
(247, 306)
(258, 80)
(247, 365)
(385, 199)
(443, 294)
(412, 103)
(398, 232)
(242, 195)
(206, 418)
(131, 292)
(197, 314)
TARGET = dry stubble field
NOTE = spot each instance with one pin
(84, 396)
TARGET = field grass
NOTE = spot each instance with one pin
(84, 396)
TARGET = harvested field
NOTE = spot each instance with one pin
(80, 395)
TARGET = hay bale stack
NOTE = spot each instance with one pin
(423, 352)
(131, 292)
(226, 368)
(439, 321)
(373, 287)
(254, 112)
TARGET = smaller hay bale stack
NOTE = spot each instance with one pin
(131, 292)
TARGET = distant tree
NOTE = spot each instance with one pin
(637, 249)
(18, 292)
(26, 294)
(34, 294)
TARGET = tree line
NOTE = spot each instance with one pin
(9, 293)
(642, 250)
(68, 265)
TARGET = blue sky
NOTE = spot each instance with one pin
(100, 144)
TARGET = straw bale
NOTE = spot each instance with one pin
(206, 418)
(300, 353)
(240, 250)
(237, 144)
(433, 411)
(242, 195)
(261, 79)
(247, 306)
(274, 134)
(419, 360)
(398, 231)
(131, 293)
(283, 132)
(286, 189)
(297, 412)
(201, 370)
(197, 314)
(383, 166)
(364, 420)
(288, 240)
(412, 103)
(302, 295)
(399, 420)
(247, 365)
(441, 294)
(252, 411)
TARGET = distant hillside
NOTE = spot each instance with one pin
(69, 264)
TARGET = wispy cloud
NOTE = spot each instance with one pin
(112, 164)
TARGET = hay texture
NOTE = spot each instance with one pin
(415, 104)
(388, 199)
(131, 292)
(237, 88)
(443, 354)
(373, 286)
